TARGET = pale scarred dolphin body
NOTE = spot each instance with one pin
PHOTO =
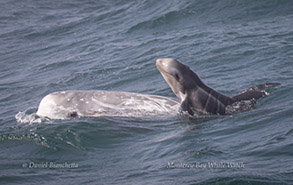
(69, 104)
(193, 98)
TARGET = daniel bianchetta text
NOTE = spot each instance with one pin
(206, 165)
(50, 165)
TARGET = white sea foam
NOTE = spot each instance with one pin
(25, 118)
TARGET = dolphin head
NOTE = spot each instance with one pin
(179, 77)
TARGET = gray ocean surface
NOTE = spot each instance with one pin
(48, 46)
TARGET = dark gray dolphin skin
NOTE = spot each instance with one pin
(195, 96)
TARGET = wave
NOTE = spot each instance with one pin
(184, 13)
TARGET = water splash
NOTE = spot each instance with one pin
(240, 106)
(30, 118)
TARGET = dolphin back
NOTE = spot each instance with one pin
(254, 92)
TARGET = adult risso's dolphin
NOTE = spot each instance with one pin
(69, 104)
(198, 98)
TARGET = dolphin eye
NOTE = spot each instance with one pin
(73, 114)
(177, 76)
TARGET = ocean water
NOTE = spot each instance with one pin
(48, 46)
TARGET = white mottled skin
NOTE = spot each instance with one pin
(67, 104)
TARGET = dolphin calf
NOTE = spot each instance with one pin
(193, 98)
(198, 98)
